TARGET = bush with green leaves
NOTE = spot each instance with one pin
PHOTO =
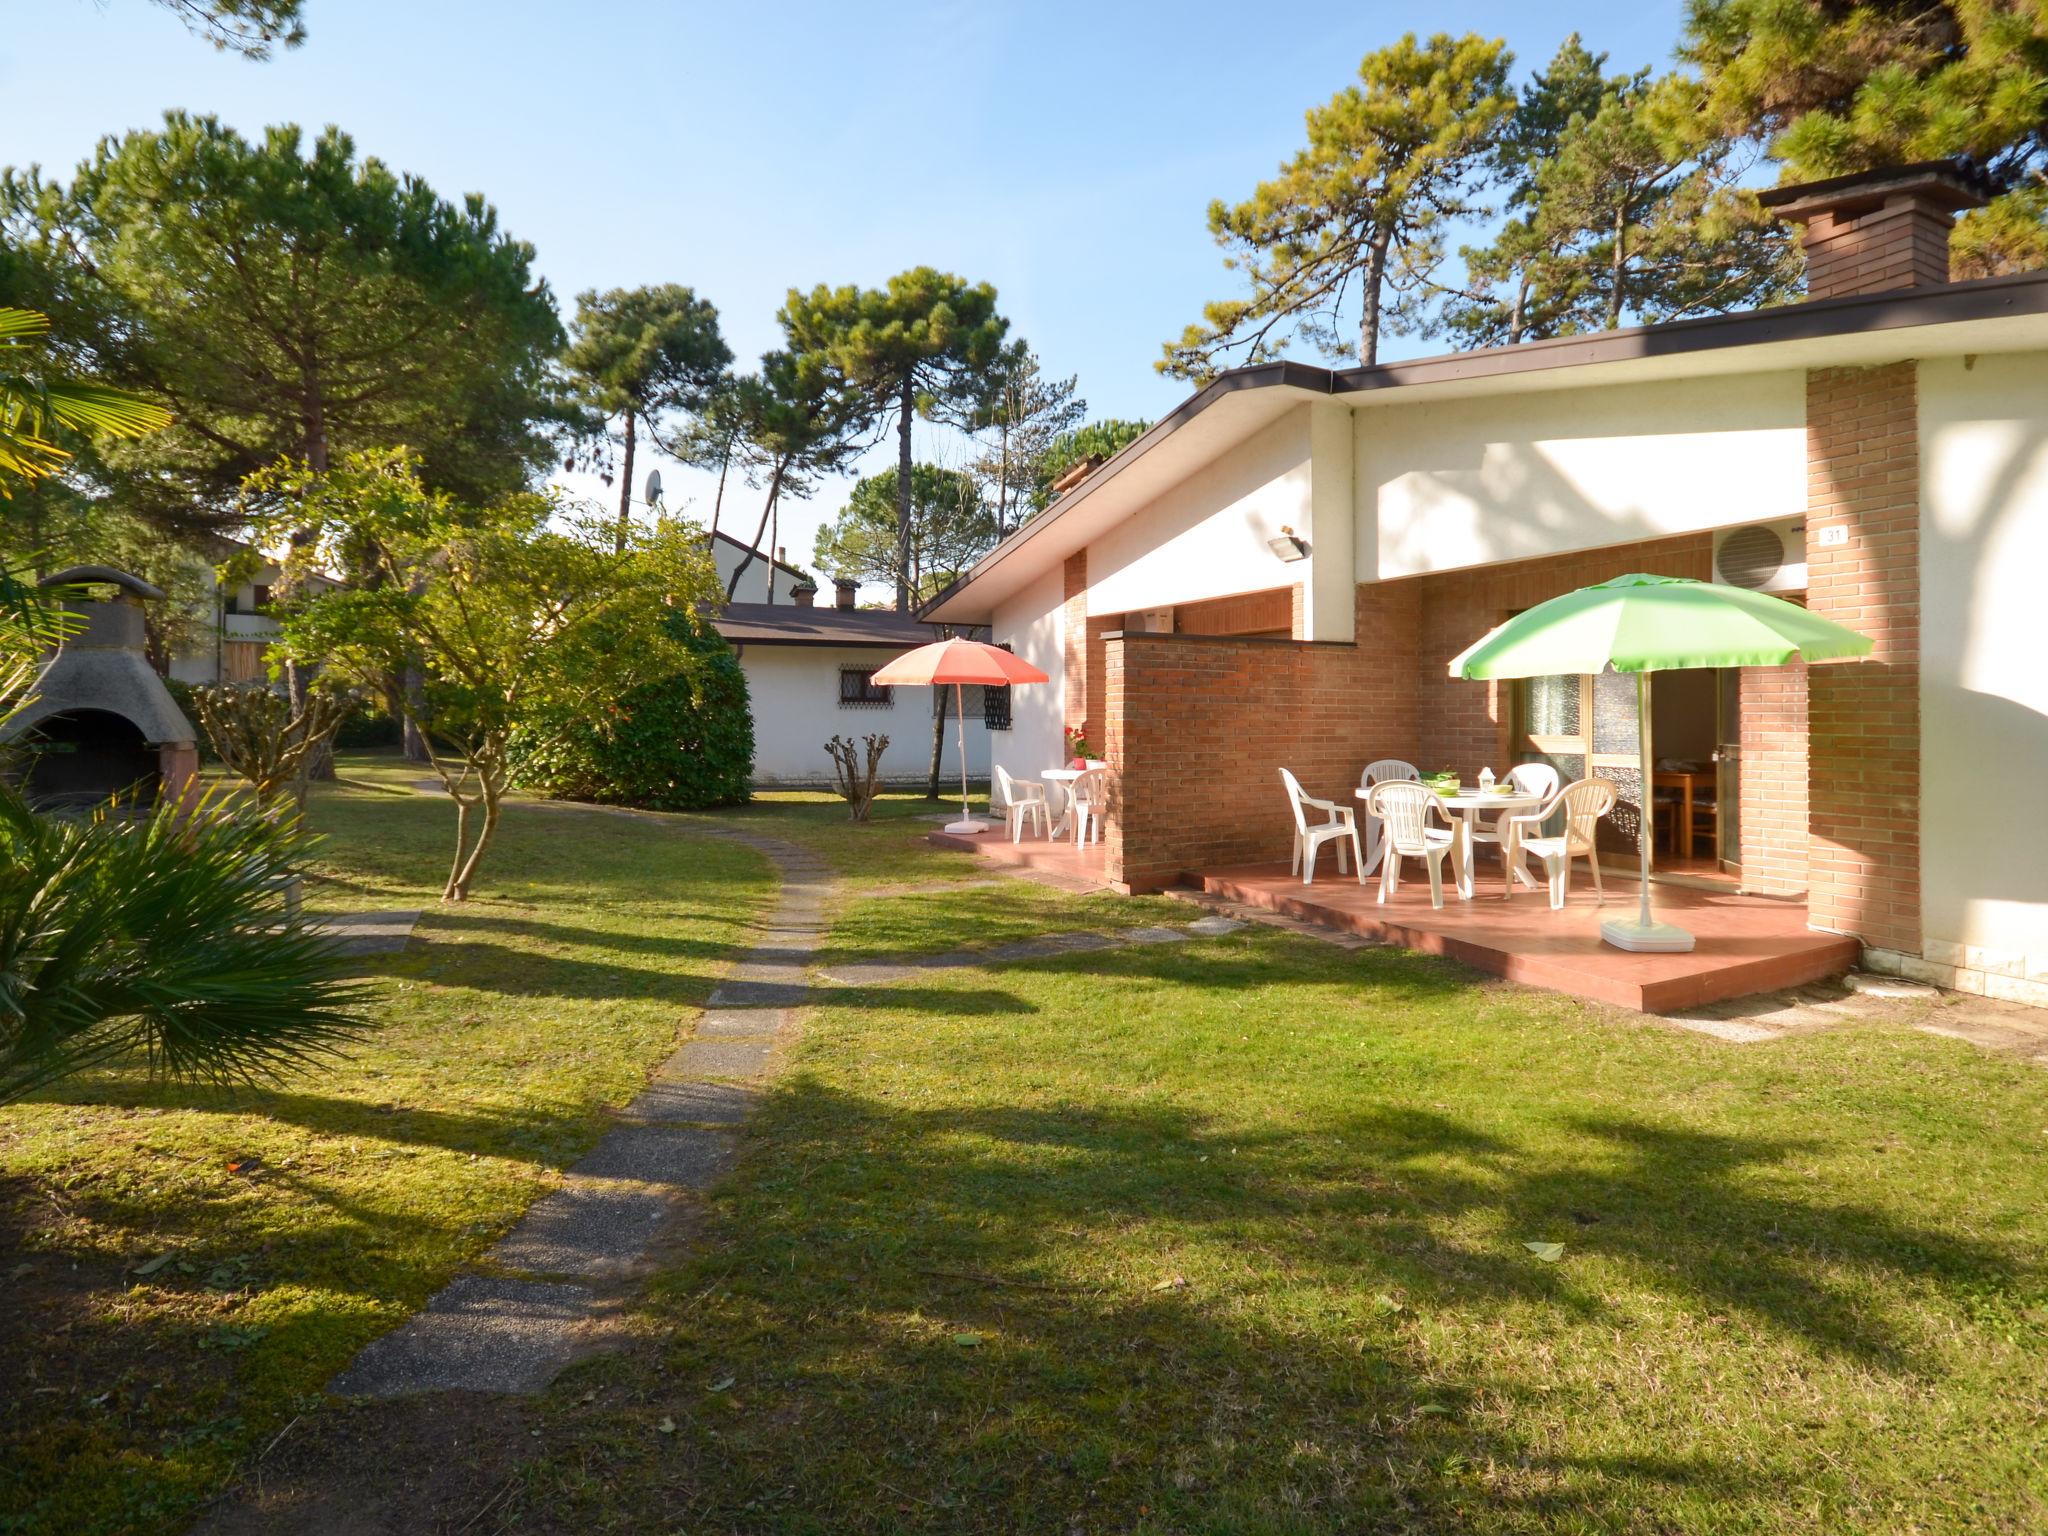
(683, 744)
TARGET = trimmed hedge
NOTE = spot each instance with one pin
(685, 744)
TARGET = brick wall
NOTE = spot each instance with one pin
(1198, 728)
(1772, 787)
(1863, 475)
(1465, 725)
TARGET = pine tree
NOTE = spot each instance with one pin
(1389, 162)
(1834, 88)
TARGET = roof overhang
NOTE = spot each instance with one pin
(2008, 314)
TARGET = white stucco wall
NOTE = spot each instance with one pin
(753, 587)
(1460, 483)
(794, 690)
(1032, 622)
(1206, 537)
(1984, 658)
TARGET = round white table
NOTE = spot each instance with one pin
(1467, 808)
(1059, 779)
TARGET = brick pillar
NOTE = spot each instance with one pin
(1771, 786)
(1863, 476)
(1074, 641)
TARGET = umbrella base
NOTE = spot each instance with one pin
(1646, 938)
(971, 825)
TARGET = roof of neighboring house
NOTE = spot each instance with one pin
(788, 624)
(761, 555)
(1998, 314)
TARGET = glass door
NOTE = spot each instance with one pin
(1586, 727)
(1728, 770)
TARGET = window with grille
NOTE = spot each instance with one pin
(859, 690)
(995, 708)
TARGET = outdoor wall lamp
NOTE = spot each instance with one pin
(1289, 546)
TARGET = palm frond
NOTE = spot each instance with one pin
(18, 325)
(164, 940)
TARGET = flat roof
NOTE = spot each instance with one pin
(1988, 315)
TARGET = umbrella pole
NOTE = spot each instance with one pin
(1644, 935)
(966, 823)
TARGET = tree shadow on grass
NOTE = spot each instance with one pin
(864, 1239)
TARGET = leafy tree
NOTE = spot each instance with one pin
(795, 422)
(950, 528)
(288, 300)
(924, 345)
(1835, 86)
(1389, 162)
(502, 616)
(685, 743)
(1025, 412)
(640, 356)
(1099, 440)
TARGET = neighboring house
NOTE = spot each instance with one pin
(765, 581)
(808, 674)
(1879, 452)
(231, 647)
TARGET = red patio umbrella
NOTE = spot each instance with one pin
(958, 662)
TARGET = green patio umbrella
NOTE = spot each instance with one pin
(1644, 624)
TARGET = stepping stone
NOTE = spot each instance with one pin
(759, 994)
(1214, 927)
(680, 1156)
(763, 965)
(790, 946)
(1731, 1030)
(479, 1334)
(589, 1230)
(880, 973)
(1152, 936)
(1051, 944)
(708, 1103)
(369, 933)
(1888, 986)
(721, 1058)
(743, 1021)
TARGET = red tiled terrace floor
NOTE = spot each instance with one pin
(1744, 944)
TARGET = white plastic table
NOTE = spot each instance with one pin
(1056, 780)
(1466, 809)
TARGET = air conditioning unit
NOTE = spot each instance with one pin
(1762, 557)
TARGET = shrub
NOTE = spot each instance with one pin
(684, 744)
(369, 725)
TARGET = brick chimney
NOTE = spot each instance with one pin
(803, 594)
(1879, 231)
(845, 592)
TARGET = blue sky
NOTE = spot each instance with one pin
(1064, 152)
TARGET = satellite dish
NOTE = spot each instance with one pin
(653, 487)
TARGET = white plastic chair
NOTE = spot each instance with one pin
(1386, 770)
(1340, 826)
(1406, 807)
(1022, 798)
(1089, 803)
(1538, 779)
(1583, 804)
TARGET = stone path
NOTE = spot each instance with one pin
(545, 1293)
(369, 933)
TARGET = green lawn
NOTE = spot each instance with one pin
(1218, 1237)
